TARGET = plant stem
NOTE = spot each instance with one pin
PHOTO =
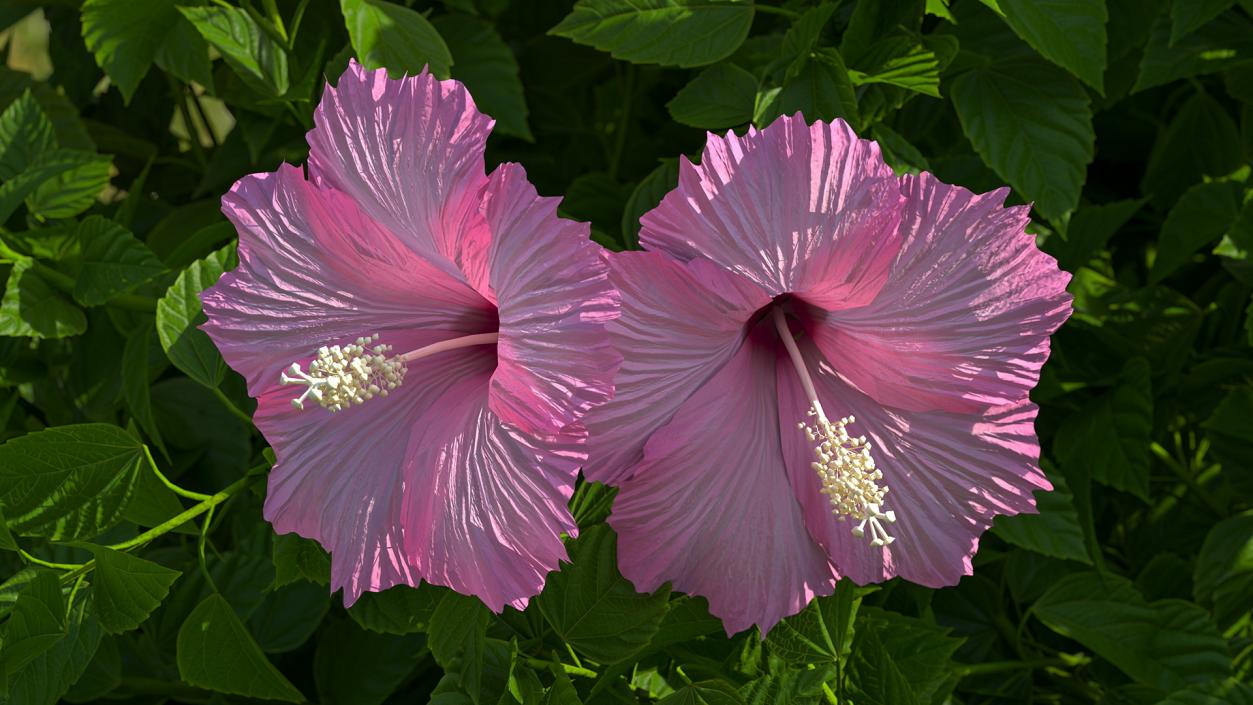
(230, 406)
(47, 564)
(567, 668)
(1003, 666)
(165, 481)
(1186, 476)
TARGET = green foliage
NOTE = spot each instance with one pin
(135, 561)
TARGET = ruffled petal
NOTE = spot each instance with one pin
(948, 475)
(552, 286)
(680, 323)
(963, 322)
(340, 478)
(315, 271)
(710, 508)
(410, 151)
(487, 503)
(795, 208)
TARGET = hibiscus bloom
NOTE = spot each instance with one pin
(422, 340)
(826, 374)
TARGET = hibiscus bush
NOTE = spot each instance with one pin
(164, 535)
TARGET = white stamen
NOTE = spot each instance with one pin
(850, 480)
(352, 374)
(341, 376)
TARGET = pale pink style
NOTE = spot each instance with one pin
(920, 308)
(459, 477)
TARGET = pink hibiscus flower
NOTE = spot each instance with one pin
(423, 341)
(826, 374)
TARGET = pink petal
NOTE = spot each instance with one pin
(486, 503)
(680, 323)
(340, 478)
(948, 475)
(962, 323)
(315, 271)
(410, 151)
(794, 208)
(555, 360)
(710, 508)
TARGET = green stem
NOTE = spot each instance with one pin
(826, 690)
(230, 406)
(783, 11)
(271, 8)
(197, 496)
(567, 668)
(297, 16)
(204, 534)
(48, 564)
(1186, 476)
(1003, 666)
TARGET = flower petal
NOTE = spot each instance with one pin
(962, 323)
(487, 503)
(680, 323)
(340, 478)
(710, 508)
(410, 151)
(552, 285)
(948, 475)
(315, 271)
(794, 208)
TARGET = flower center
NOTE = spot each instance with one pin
(850, 480)
(341, 376)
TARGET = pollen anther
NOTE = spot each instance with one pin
(341, 376)
(848, 475)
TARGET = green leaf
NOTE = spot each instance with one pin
(903, 157)
(1166, 644)
(704, 693)
(1202, 140)
(179, 316)
(458, 640)
(298, 558)
(1224, 42)
(1110, 435)
(35, 625)
(822, 632)
(7, 542)
(485, 63)
(136, 381)
(185, 54)
(390, 36)
(898, 660)
(102, 674)
(591, 606)
(1187, 16)
(216, 652)
(68, 482)
(288, 616)
(721, 96)
(356, 667)
(74, 190)
(1055, 531)
(124, 36)
(820, 90)
(113, 262)
(1224, 692)
(902, 62)
(1070, 33)
(788, 687)
(1224, 569)
(25, 135)
(1088, 230)
(1228, 427)
(668, 32)
(646, 196)
(50, 674)
(249, 51)
(1032, 124)
(127, 588)
(31, 308)
(397, 610)
(1201, 217)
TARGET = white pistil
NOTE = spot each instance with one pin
(850, 480)
(342, 376)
